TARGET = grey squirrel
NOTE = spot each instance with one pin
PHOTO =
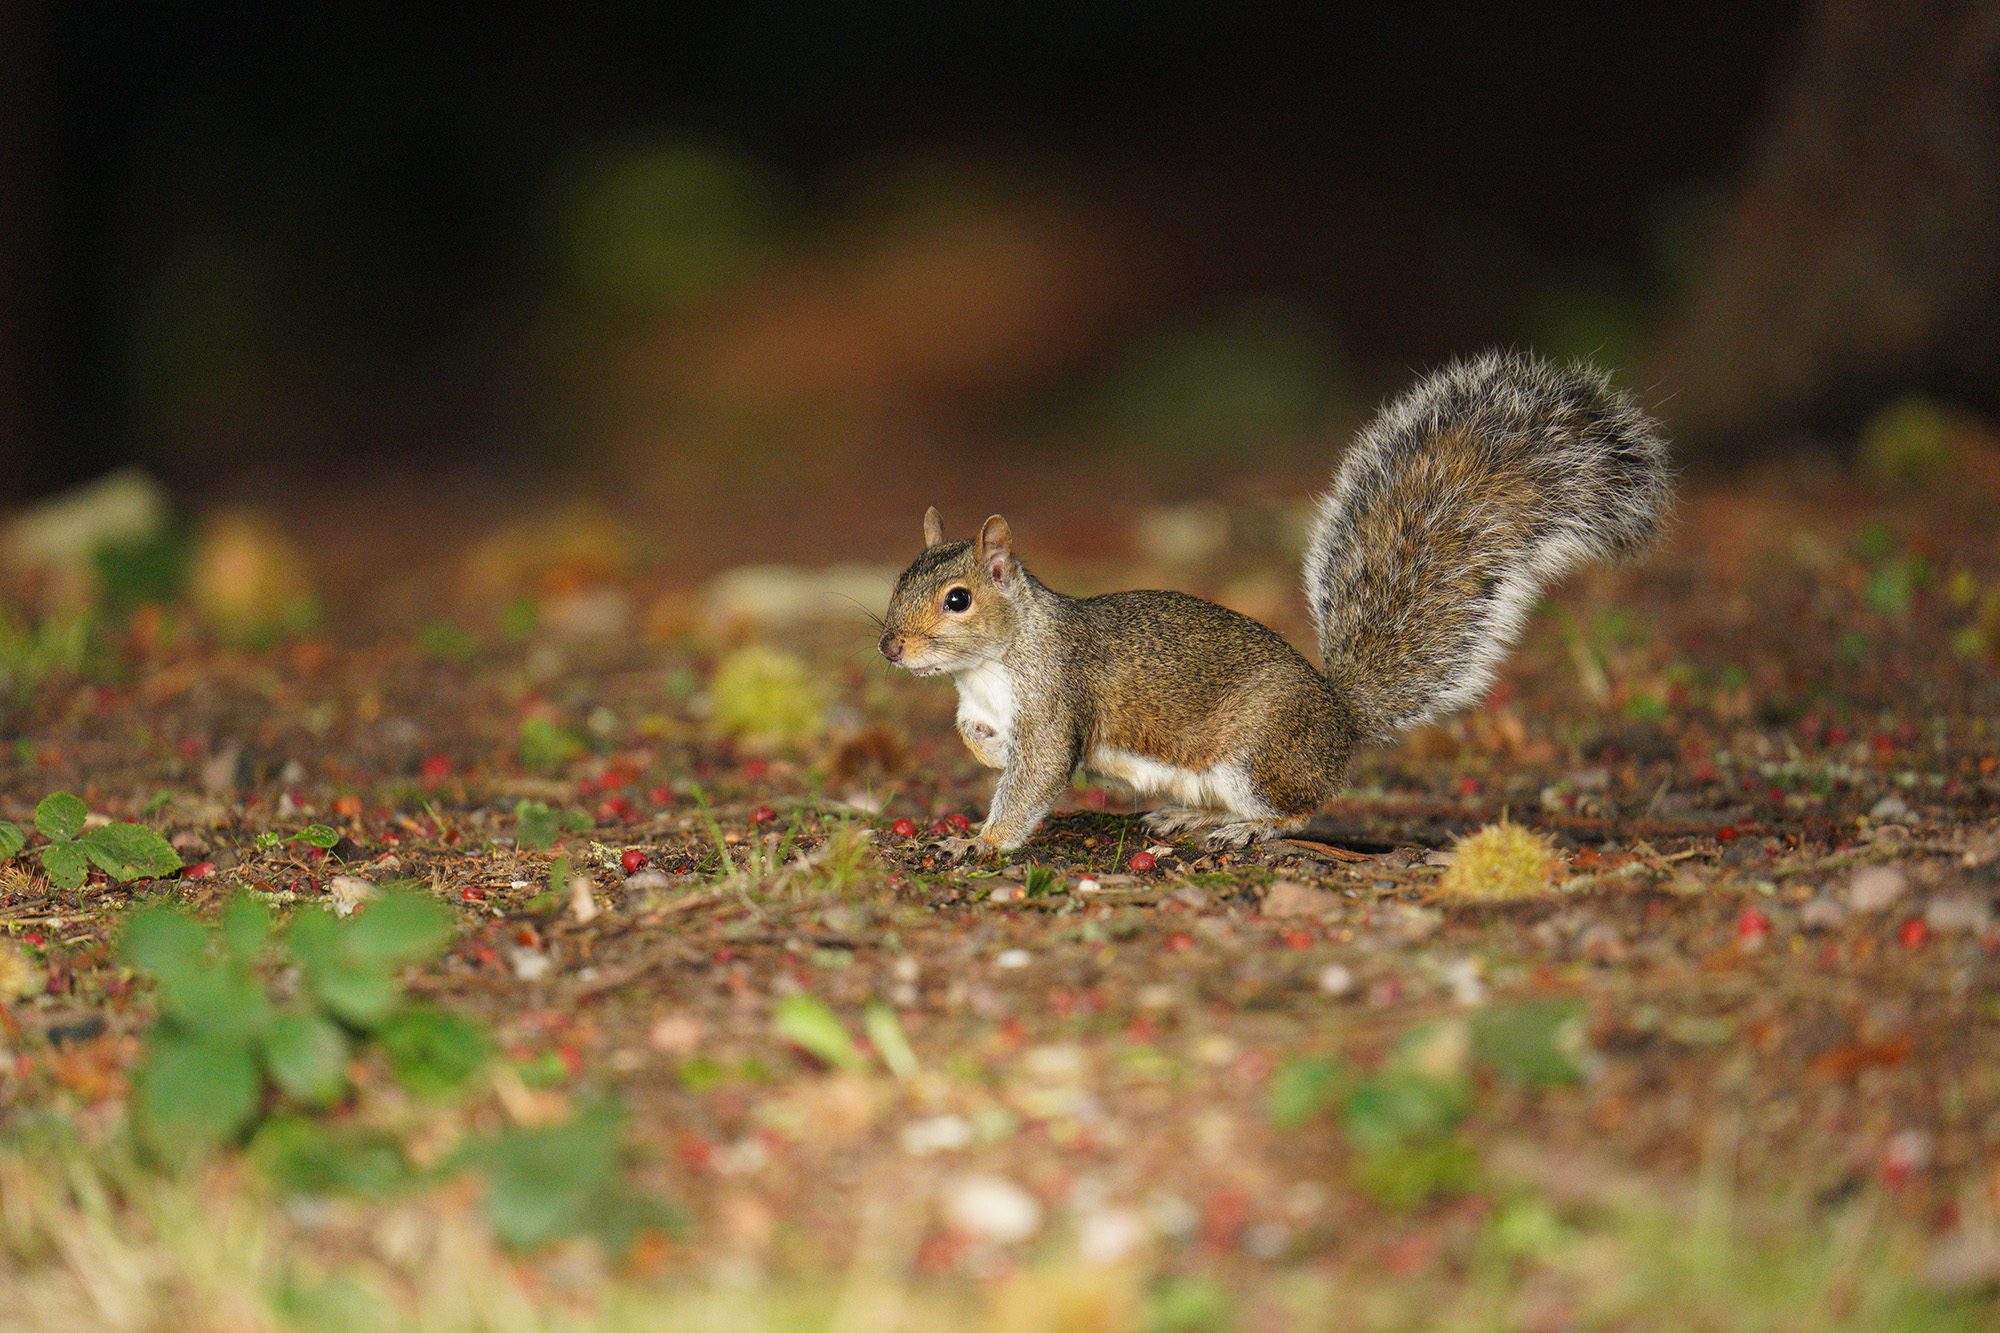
(1453, 509)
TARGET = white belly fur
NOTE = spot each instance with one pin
(986, 699)
(1221, 787)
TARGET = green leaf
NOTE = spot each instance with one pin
(312, 934)
(885, 1033)
(806, 1022)
(160, 940)
(246, 926)
(192, 1094)
(218, 1000)
(619, 1215)
(1300, 1090)
(308, 1156)
(60, 816)
(317, 835)
(1186, 1303)
(546, 747)
(535, 825)
(1408, 1174)
(307, 1057)
(66, 865)
(432, 1052)
(12, 840)
(1393, 1109)
(1534, 1042)
(398, 929)
(130, 851)
(544, 1182)
(360, 994)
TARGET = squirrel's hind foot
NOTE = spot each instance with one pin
(1171, 821)
(1244, 832)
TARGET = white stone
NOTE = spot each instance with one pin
(1107, 1235)
(349, 892)
(992, 1209)
(935, 1134)
(1876, 888)
(1336, 979)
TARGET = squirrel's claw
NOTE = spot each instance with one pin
(960, 849)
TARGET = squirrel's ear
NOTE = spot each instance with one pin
(996, 548)
(933, 528)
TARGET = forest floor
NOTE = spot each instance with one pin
(1733, 1066)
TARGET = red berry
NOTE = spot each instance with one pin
(1179, 943)
(1468, 786)
(1914, 932)
(435, 768)
(904, 828)
(960, 823)
(661, 796)
(1298, 939)
(199, 870)
(1143, 861)
(755, 770)
(764, 814)
(1752, 925)
(472, 895)
(634, 861)
(34, 937)
(1727, 833)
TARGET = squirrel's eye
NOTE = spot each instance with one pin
(958, 599)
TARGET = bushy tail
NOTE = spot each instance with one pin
(1454, 508)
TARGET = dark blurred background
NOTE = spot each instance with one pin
(759, 277)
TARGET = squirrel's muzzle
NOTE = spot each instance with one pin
(892, 646)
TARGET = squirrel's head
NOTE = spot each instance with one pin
(954, 607)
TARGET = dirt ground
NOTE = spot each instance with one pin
(1767, 756)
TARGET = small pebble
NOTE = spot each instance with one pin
(992, 1209)
(349, 892)
(1335, 979)
(1891, 808)
(1107, 1235)
(1013, 958)
(529, 964)
(935, 1134)
(1876, 888)
(1822, 913)
(1958, 911)
(1461, 977)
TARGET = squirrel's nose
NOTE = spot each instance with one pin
(892, 646)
